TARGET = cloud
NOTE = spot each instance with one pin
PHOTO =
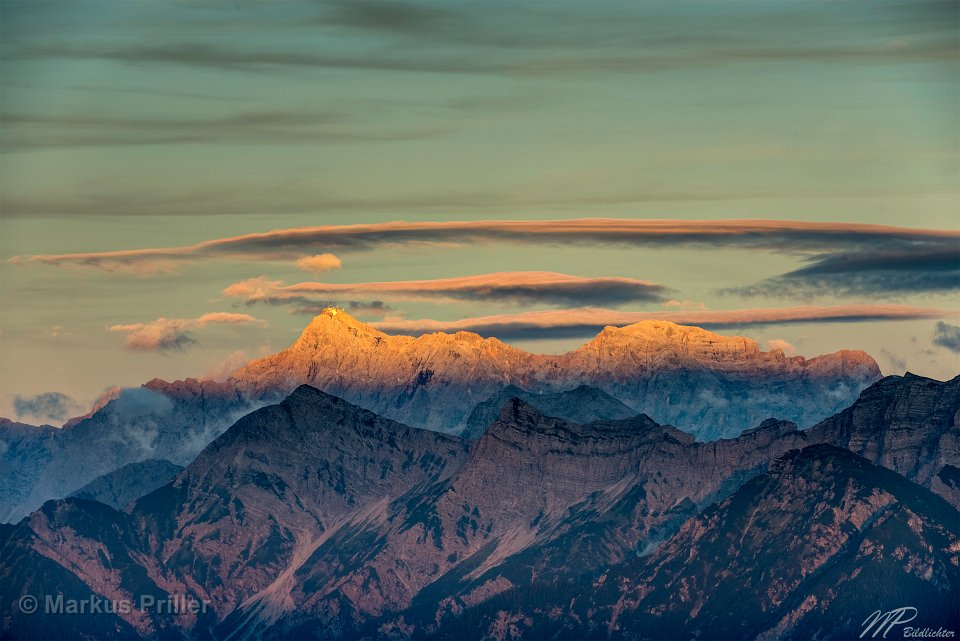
(926, 267)
(203, 55)
(787, 348)
(36, 130)
(843, 258)
(222, 370)
(135, 402)
(502, 287)
(636, 29)
(947, 336)
(319, 263)
(297, 196)
(372, 308)
(46, 407)
(390, 16)
(811, 238)
(897, 363)
(577, 323)
(175, 334)
(533, 40)
(685, 305)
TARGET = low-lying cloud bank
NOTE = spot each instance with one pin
(585, 322)
(503, 287)
(175, 334)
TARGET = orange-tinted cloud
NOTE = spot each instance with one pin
(320, 263)
(685, 305)
(291, 244)
(786, 347)
(505, 287)
(172, 334)
(587, 321)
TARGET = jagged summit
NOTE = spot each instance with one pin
(652, 336)
(334, 322)
(519, 421)
(665, 329)
(337, 314)
(307, 393)
(711, 385)
(646, 335)
(684, 376)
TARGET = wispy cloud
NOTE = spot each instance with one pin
(175, 334)
(374, 308)
(53, 407)
(786, 347)
(897, 363)
(35, 130)
(476, 39)
(810, 238)
(947, 336)
(231, 363)
(502, 287)
(577, 323)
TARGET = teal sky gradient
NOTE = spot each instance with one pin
(133, 124)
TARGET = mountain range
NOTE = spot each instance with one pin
(317, 518)
(709, 385)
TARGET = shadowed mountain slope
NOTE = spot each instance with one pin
(316, 518)
(807, 550)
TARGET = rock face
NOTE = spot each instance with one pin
(253, 505)
(25, 450)
(909, 424)
(127, 484)
(580, 405)
(315, 518)
(807, 550)
(710, 385)
(714, 386)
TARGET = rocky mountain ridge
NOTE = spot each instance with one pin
(686, 376)
(806, 550)
(316, 518)
(711, 385)
(121, 487)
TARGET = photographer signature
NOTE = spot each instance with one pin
(880, 623)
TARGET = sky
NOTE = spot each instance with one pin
(184, 183)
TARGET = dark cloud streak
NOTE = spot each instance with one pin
(586, 322)
(202, 55)
(25, 131)
(844, 258)
(905, 268)
(505, 288)
(535, 39)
